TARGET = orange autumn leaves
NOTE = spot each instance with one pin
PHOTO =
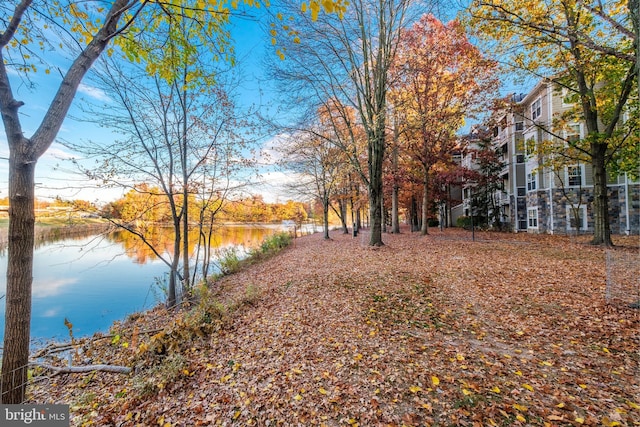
(507, 330)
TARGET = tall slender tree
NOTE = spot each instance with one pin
(344, 64)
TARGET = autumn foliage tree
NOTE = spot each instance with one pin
(590, 50)
(439, 78)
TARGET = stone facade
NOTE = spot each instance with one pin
(537, 199)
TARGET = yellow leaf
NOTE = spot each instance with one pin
(297, 371)
(560, 405)
(528, 387)
(582, 386)
(518, 373)
(435, 380)
(633, 405)
(303, 7)
(579, 420)
(225, 378)
(460, 357)
(496, 389)
(357, 357)
(466, 392)
(605, 349)
(322, 391)
(607, 422)
(297, 397)
(415, 389)
(546, 363)
(520, 408)
(521, 418)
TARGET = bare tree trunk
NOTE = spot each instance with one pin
(376, 151)
(23, 155)
(395, 223)
(602, 228)
(325, 217)
(175, 262)
(19, 277)
(342, 205)
(424, 230)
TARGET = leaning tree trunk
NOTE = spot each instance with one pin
(23, 156)
(602, 228)
(19, 276)
(342, 205)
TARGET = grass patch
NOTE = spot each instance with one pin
(152, 380)
(230, 260)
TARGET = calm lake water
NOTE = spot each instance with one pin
(94, 280)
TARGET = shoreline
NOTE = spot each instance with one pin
(429, 329)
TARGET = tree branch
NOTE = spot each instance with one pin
(83, 369)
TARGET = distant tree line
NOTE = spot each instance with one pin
(150, 205)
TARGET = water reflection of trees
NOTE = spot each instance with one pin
(45, 235)
(162, 239)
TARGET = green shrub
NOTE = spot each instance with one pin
(275, 242)
(229, 260)
(464, 222)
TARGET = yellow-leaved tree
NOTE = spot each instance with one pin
(589, 48)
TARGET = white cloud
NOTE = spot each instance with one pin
(48, 288)
(276, 186)
(270, 153)
(52, 312)
(94, 92)
(58, 152)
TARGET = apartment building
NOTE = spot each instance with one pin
(536, 197)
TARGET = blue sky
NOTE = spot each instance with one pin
(54, 172)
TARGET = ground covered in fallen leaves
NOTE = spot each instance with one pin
(510, 329)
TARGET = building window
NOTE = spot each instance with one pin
(519, 126)
(531, 181)
(520, 158)
(573, 133)
(522, 192)
(581, 219)
(532, 215)
(536, 109)
(530, 146)
(574, 175)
